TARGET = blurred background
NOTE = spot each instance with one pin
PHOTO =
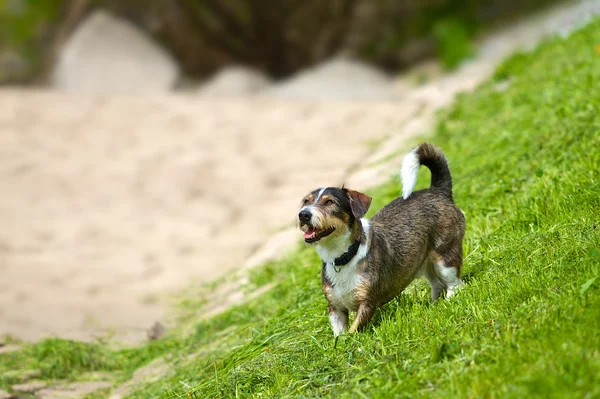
(150, 146)
(276, 38)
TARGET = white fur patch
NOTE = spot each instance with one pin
(338, 322)
(345, 280)
(409, 172)
(333, 248)
(450, 278)
(320, 194)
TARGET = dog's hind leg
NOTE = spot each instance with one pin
(447, 268)
(437, 285)
(450, 277)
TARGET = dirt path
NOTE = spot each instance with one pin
(109, 203)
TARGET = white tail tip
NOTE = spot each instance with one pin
(409, 172)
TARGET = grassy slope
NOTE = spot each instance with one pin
(526, 164)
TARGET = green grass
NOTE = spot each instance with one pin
(526, 166)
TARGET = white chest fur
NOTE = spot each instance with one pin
(344, 282)
(344, 279)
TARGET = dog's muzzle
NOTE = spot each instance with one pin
(305, 217)
(311, 234)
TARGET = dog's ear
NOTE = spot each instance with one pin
(359, 203)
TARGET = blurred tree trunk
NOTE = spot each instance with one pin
(277, 36)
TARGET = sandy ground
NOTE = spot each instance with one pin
(108, 204)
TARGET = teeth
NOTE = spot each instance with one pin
(304, 228)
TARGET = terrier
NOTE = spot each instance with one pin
(367, 263)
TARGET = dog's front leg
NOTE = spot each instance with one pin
(338, 319)
(363, 315)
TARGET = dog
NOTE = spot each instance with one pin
(367, 263)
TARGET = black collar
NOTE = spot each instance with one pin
(345, 258)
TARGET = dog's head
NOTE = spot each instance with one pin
(329, 212)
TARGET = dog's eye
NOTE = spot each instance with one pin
(329, 202)
(305, 201)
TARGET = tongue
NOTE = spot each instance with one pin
(310, 233)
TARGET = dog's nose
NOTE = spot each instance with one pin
(304, 216)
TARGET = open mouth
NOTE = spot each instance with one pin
(313, 235)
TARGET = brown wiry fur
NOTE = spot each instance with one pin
(421, 235)
(404, 236)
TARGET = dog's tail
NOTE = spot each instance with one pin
(432, 157)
